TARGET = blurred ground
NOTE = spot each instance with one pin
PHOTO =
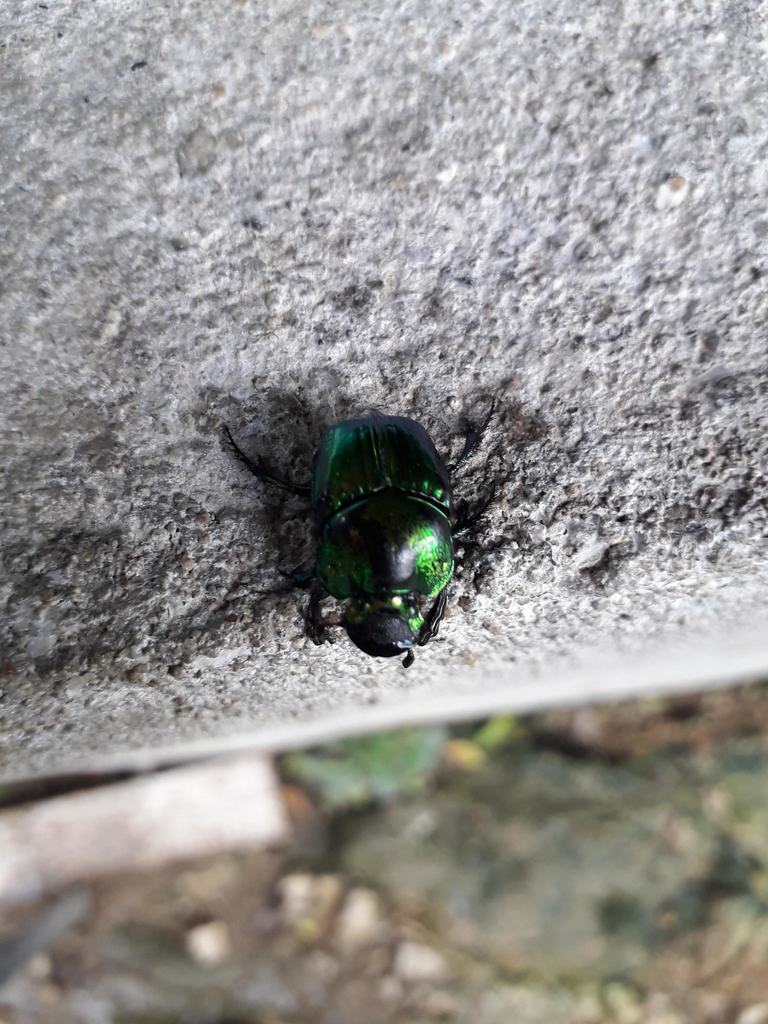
(275, 214)
(608, 866)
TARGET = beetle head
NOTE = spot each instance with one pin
(383, 627)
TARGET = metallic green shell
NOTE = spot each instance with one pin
(389, 543)
(360, 457)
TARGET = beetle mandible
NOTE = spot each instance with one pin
(386, 523)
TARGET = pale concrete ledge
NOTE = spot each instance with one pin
(276, 216)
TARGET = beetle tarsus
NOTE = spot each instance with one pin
(473, 437)
(470, 519)
(261, 472)
(301, 576)
(313, 623)
(408, 659)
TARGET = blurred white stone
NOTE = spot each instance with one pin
(209, 943)
(359, 922)
(416, 962)
(307, 897)
(591, 555)
(755, 1014)
(147, 822)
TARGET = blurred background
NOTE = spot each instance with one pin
(602, 866)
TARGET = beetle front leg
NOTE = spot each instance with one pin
(430, 626)
(433, 619)
(260, 471)
(473, 438)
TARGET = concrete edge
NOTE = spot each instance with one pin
(666, 672)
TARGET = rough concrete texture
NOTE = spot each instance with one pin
(277, 214)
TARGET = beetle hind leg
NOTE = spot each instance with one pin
(301, 576)
(260, 471)
(314, 627)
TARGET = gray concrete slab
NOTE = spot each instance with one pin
(277, 214)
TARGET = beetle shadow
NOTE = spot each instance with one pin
(282, 429)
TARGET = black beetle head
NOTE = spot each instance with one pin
(381, 628)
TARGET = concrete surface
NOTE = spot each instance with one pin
(275, 214)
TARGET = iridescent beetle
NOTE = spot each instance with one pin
(386, 525)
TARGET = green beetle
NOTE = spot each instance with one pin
(386, 525)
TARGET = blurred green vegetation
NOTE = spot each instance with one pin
(387, 765)
(379, 767)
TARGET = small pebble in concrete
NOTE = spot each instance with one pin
(672, 192)
(197, 153)
(590, 556)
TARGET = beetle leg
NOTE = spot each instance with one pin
(473, 436)
(301, 576)
(261, 471)
(313, 623)
(432, 622)
(471, 518)
(430, 626)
